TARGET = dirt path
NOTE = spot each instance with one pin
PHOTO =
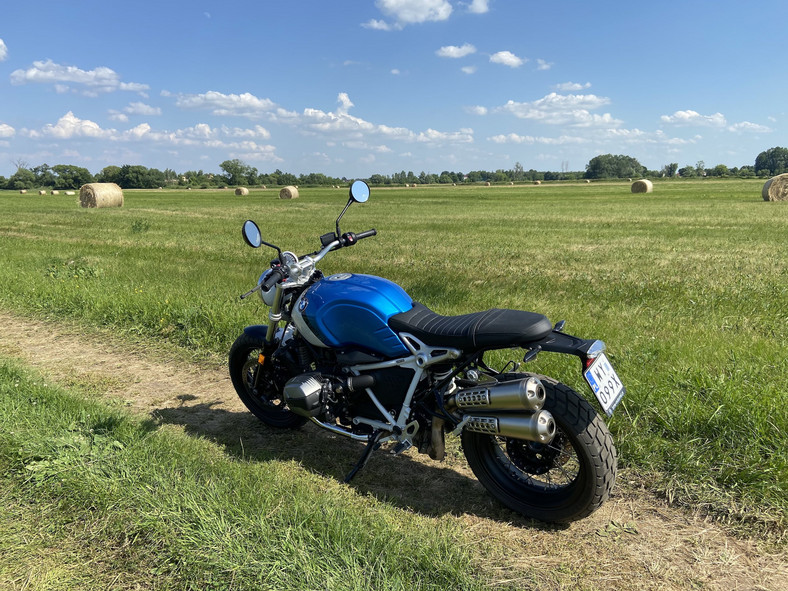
(633, 542)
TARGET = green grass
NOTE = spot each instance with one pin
(688, 286)
(96, 499)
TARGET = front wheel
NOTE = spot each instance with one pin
(257, 385)
(562, 481)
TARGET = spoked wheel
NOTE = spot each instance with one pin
(562, 481)
(256, 385)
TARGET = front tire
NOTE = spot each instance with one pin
(258, 386)
(563, 481)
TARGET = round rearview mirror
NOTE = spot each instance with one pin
(359, 191)
(252, 234)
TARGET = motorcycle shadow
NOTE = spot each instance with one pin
(411, 481)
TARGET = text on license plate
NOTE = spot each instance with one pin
(605, 383)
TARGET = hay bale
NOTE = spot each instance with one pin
(71, 192)
(776, 188)
(588, 181)
(100, 195)
(42, 192)
(242, 191)
(537, 182)
(54, 192)
(642, 186)
(487, 184)
(22, 191)
(289, 192)
(262, 186)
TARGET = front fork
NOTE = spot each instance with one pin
(274, 317)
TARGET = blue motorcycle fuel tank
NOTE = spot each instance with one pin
(350, 310)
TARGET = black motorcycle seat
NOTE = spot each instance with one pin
(490, 329)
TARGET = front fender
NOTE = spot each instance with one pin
(256, 331)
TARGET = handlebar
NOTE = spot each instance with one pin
(306, 264)
(277, 274)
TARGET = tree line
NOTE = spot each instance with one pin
(235, 172)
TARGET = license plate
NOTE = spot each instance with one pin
(605, 384)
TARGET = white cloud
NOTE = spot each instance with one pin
(6, 130)
(469, 69)
(571, 109)
(479, 6)
(690, 117)
(543, 65)
(477, 110)
(455, 52)
(572, 86)
(142, 109)
(507, 58)
(118, 116)
(513, 138)
(395, 72)
(98, 80)
(377, 25)
(3, 51)
(237, 105)
(407, 12)
(750, 127)
(69, 126)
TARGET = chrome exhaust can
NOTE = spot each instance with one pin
(525, 394)
(538, 426)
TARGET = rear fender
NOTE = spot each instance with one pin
(558, 342)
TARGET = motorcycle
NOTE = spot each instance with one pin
(355, 355)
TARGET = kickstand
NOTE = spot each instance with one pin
(372, 445)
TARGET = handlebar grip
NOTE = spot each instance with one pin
(275, 277)
(366, 234)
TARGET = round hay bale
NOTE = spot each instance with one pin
(54, 192)
(22, 191)
(42, 192)
(289, 192)
(776, 188)
(262, 186)
(242, 191)
(487, 184)
(642, 186)
(71, 193)
(100, 195)
(588, 181)
(537, 182)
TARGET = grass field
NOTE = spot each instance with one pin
(688, 286)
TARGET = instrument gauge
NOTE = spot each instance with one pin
(288, 258)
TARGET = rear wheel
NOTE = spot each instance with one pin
(257, 385)
(562, 481)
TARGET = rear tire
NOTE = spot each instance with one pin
(561, 482)
(258, 386)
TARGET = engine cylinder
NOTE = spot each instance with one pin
(525, 394)
(539, 426)
(303, 394)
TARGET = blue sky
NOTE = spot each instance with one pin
(377, 86)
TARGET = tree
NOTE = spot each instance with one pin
(71, 177)
(687, 171)
(109, 174)
(774, 160)
(44, 176)
(23, 178)
(669, 170)
(238, 172)
(608, 166)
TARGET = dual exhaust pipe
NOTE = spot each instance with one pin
(485, 409)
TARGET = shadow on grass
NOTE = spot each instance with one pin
(410, 481)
